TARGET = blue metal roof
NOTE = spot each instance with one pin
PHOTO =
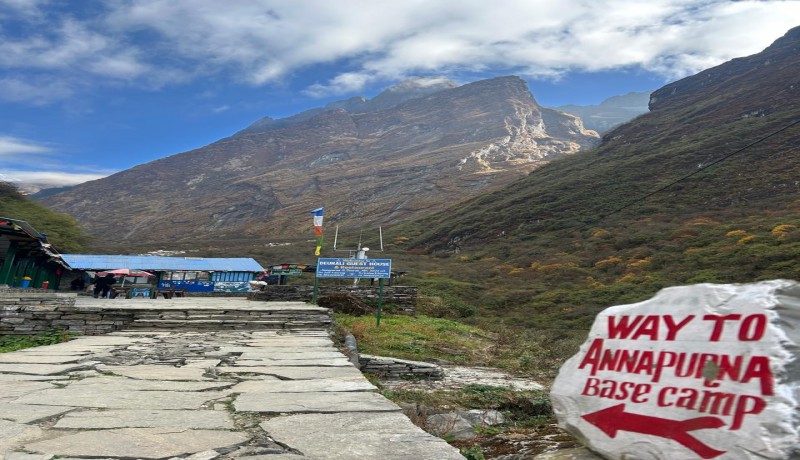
(160, 263)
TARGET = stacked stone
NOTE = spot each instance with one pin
(26, 313)
(211, 320)
(399, 368)
(35, 319)
(34, 313)
(403, 298)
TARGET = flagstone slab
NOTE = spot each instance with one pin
(347, 436)
(297, 354)
(13, 434)
(292, 343)
(40, 369)
(304, 386)
(15, 389)
(137, 418)
(29, 358)
(294, 373)
(88, 396)
(111, 383)
(278, 457)
(319, 402)
(4, 378)
(89, 342)
(339, 361)
(156, 372)
(27, 413)
(24, 456)
(202, 363)
(144, 443)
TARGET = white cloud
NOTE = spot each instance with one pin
(46, 179)
(343, 83)
(35, 164)
(12, 147)
(158, 42)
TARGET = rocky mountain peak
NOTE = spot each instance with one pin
(411, 88)
(406, 90)
(432, 144)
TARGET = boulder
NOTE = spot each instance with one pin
(484, 417)
(703, 371)
(450, 426)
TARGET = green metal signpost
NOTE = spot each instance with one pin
(355, 268)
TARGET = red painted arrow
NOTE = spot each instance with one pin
(615, 419)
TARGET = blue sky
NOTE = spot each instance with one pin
(91, 87)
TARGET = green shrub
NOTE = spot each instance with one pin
(19, 342)
(473, 453)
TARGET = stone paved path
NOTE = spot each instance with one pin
(269, 395)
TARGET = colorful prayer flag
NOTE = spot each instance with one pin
(318, 216)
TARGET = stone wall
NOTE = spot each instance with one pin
(394, 368)
(214, 294)
(29, 311)
(402, 298)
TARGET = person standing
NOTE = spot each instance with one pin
(103, 284)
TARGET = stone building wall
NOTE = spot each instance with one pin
(403, 298)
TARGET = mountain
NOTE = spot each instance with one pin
(612, 112)
(63, 232)
(703, 188)
(413, 149)
(45, 192)
(412, 88)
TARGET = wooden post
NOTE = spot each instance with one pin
(380, 303)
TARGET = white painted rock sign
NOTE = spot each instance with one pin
(696, 372)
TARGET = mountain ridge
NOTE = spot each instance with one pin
(405, 90)
(611, 112)
(370, 167)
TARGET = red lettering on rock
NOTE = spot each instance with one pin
(673, 328)
(719, 324)
(753, 328)
(623, 329)
(758, 368)
(746, 405)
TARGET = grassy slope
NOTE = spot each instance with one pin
(63, 232)
(544, 255)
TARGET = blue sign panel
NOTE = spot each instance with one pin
(354, 268)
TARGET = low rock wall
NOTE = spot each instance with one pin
(25, 312)
(402, 298)
(28, 312)
(394, 368)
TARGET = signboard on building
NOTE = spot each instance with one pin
(286, 271)
(354, 268)
(695, 372)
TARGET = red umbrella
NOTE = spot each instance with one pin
(126, 272)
